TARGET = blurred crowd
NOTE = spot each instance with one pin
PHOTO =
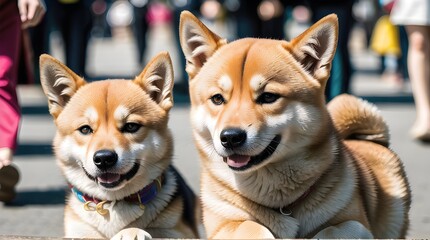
(77, 21)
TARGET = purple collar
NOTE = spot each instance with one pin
(142, 197)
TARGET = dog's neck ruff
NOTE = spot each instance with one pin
(142, 197)
(286, 210)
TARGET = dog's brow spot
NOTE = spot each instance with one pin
(121, 112)
(91, 114)
(225, 83)
(256, 82)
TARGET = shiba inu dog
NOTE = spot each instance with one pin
(114, 149)
(276, 161)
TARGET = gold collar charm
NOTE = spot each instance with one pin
(99, 207)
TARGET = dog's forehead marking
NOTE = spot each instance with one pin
(225, 83)
(121, 112)
(91, 114)
(257, 81)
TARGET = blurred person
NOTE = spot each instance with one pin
(140, 26)
(390, 43)
(260, 18)
(39, 40)
(15, 16)
(271, 14)
(415, 16)
(157, 19)
(366, 14)
(73, 19)
(100, 28)
(393, 68)
(341, 71)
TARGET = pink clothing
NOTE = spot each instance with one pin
(10, 44)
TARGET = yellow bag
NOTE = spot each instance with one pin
(385, 37)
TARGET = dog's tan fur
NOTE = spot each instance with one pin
(329, 168)
(107, 107)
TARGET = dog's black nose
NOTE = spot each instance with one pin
(233, 137)
(105, 159)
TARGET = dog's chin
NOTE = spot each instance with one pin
(111, 180)
(238, 162)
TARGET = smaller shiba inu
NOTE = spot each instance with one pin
(114, 148)
(277, 162)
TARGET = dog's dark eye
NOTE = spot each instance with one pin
(131, 127)
(85, 130)
(217, 99)
(267, 97)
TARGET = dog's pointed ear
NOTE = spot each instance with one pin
(59, 83)
(157, 79)
(197, 41)
(315, 48)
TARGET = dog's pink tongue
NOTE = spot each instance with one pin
(108, 177)
(238, 161)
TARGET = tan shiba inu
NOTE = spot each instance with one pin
(114, 148)
(276, 162)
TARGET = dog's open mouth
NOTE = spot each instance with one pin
(111, 180)
(243, 162)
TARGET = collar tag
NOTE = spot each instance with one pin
(99, 207)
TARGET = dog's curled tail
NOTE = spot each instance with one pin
(356, 118)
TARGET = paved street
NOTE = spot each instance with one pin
(38, 208)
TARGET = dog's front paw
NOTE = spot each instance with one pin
(132, 234)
